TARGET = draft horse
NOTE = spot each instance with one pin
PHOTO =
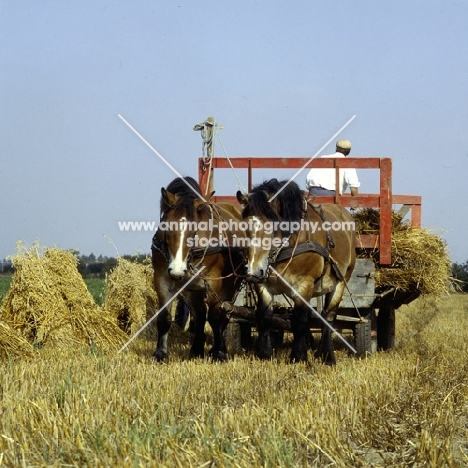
(191, 235)
(294, 251)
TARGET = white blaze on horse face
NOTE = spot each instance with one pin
(178, 265)
(257, 264)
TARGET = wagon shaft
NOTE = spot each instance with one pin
(249, 314)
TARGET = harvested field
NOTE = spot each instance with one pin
(80, 407)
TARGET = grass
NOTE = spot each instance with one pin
(5, 281)
(81, 407)
(97, 288)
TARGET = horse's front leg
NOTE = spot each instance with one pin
(198, 305)
(218, 322)
(163, 323)
(301, 333)
(264, 317)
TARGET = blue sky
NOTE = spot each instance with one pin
(281, 77)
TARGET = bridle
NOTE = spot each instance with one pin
(197, 253)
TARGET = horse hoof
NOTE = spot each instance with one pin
(264, 356)
(218, 356)
(326, 359)
(197, 354)
(160, 356)
(295, 359)
(329, 361)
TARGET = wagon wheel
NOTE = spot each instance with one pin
(386, 326)
(238, 336)
(362, 338)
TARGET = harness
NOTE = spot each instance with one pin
(287, 253)
(303, 247)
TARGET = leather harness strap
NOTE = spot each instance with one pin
(308, 246)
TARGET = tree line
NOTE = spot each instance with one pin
(89, 266)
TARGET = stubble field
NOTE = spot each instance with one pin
(409, 407)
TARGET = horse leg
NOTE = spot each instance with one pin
(301, 334)
(163, 322)
(326, 350)
(197, 301)
(264, 318)
(218, 322)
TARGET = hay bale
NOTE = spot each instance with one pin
(48, 302)
(12, 343)
(420, 260)
(130, 295)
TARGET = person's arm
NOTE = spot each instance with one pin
(352, 180)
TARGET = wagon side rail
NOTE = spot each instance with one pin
(383, 200)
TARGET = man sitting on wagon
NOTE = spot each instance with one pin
(321, 182)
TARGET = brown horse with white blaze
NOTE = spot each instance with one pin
(194, 242)
(300, 250)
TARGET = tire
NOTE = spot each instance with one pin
(362, 338)
(386, 327)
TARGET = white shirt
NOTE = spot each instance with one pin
(325, 178)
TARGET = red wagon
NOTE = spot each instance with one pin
(367, 311)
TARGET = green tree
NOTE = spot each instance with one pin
(460, 272)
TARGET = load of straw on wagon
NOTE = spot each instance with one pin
(420, 261)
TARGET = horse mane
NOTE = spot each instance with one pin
(258, 201)
(289, 200)
(186, 196)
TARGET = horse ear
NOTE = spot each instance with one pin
(200, 203)
(242, 198)
(167, 199)
(208, 198)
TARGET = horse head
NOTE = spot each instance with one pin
(182, 209)
(263, 215)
